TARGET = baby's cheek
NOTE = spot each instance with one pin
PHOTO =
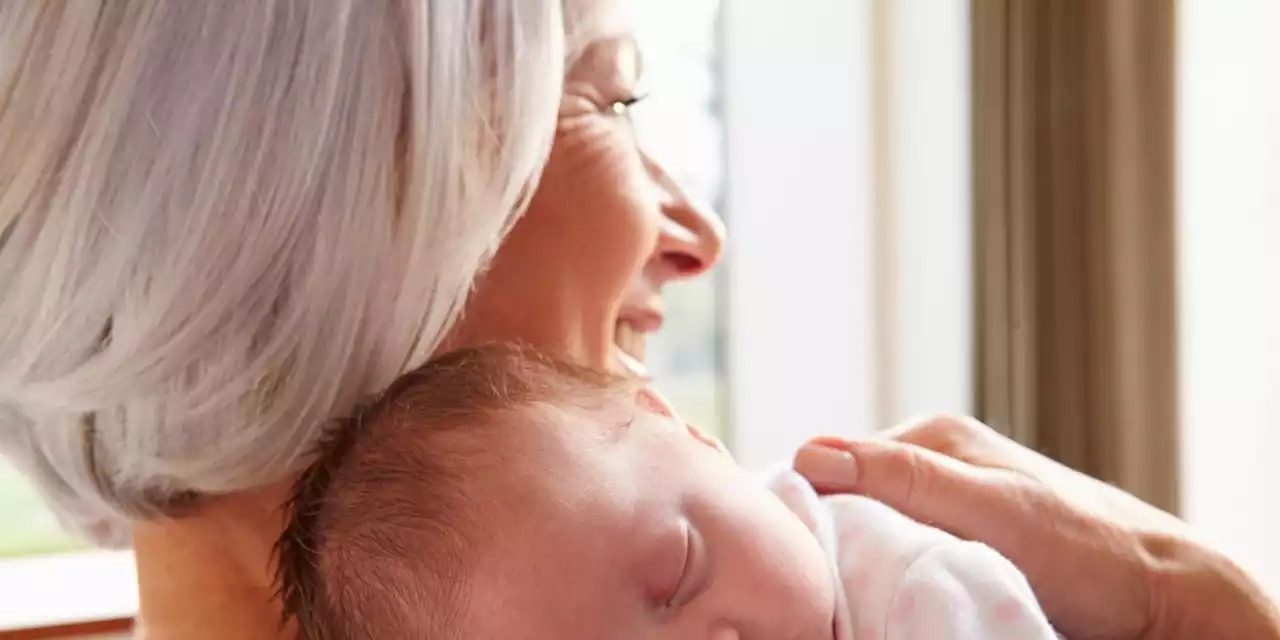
(807, 580)
(795, 527)
(787, 583)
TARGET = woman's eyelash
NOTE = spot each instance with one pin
(621, 107)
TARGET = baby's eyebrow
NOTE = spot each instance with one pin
(620, 430)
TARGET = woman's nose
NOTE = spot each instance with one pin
(691, 237)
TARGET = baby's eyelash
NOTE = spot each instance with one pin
(676, 599)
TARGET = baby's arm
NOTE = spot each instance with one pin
(962, 591)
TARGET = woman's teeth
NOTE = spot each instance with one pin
(630, 340)
(630, 344)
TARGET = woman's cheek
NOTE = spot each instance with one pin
(603, 197)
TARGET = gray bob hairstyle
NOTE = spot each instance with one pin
(224, 223)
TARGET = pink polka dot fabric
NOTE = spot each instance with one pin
(902, 580)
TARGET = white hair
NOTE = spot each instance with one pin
(222, 223)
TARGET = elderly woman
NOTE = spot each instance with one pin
(223, 223)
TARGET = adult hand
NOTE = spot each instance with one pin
(1103, 563)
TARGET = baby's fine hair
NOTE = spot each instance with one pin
(379, 532)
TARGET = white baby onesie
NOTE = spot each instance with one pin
(902, 580)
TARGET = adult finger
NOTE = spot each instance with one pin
(926, 486)
(946, 434)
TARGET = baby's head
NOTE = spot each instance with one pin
(496, 493)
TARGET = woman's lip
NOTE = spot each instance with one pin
(644, 320)
(634, 324)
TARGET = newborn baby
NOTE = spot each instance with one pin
(498, 494)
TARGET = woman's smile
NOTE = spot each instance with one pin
(636, 322)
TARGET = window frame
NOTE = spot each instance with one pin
(68, 595)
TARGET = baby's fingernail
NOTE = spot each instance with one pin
(827, 467)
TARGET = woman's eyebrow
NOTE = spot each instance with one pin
(614, 59)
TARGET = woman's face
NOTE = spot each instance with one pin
(582, 272)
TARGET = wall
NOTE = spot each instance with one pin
(1229, 180)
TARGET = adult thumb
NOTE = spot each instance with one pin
(924, 485)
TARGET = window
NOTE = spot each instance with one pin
(679, 124)
(847, 185)
(49, 580)
(29, 528)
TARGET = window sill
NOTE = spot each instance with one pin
(71, 595)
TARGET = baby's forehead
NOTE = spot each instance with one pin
(539, 434)
(551, 446)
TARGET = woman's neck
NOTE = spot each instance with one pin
(211, 574)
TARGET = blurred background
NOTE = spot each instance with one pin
(1060, 216)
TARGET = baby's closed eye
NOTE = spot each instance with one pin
(662, 569)
(677, 574)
